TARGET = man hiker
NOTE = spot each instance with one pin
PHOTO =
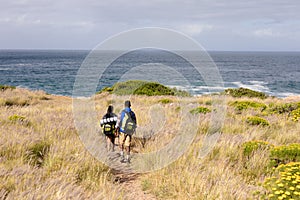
(108, 124)
(126, 126)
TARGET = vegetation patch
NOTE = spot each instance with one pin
(138, 87)
(285, 154)
(296, 115)
(165, 101)
(16, 101)
(283, 108)
(200, 109)
(19, 120)
(154, 89)
(285, 184)
(250, 147)
(254, 120)
(243, 105)
(245, 92)
(6, 87)
(90, 175)
(36, 153)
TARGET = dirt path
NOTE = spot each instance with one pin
(132, 187)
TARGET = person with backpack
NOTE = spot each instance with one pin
(108, 124)
(126, 127)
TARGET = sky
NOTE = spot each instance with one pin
(232, 25)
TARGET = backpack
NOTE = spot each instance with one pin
(130, 122)
(108, 125)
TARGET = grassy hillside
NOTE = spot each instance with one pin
(257, 155)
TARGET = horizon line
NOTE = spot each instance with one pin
(75, 49)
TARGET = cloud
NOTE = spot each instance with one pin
(264, 32)
(195, 29)
(92, 21)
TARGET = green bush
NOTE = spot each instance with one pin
(285, 154)
(254, 120)
(36, 153)
(200, 109)
(244, 92)
(243, 105)
(296, 115)
(139, 87)
(285, 184)
(165, 101)
(251, 146)
(5, 87)
(283, 108)
(154, 89)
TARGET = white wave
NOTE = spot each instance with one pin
(256, 85)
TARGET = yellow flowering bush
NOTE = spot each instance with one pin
(285, 154)
(254, 120)
(286, 183)
(296, 115)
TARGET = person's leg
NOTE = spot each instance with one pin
(112, 142)
(127, 147)
(121, 144)
(107, 143)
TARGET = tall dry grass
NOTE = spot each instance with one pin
(42, 157)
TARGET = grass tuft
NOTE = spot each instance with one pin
(36, 153)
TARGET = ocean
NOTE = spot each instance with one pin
(54, 71)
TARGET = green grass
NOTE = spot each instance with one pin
(200, 109)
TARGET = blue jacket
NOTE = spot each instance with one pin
(122, 117)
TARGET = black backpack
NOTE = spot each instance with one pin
(108, 124)
(130, 124)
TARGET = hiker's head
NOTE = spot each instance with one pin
(110, 109)
(127, 104)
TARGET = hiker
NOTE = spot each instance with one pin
(108, 124)
(126, 126)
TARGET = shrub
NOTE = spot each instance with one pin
(283, 108)
(296, 115)
(243, 105)
(15, 102)
(106, 89)
(37, 152)
(154, 89)
(254, 120)
(285, 154)
(286, 183)
(181, 93)
(200, 109)
(165, 101)
(241, 92)
(19, 119)
(251, 146)
(5, 87)
(139, 87)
